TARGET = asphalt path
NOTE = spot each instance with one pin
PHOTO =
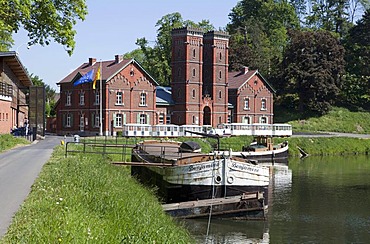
(19, 168)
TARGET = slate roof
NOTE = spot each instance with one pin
(163, 95)
(109, 69)
(238, 79)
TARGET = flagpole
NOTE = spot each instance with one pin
(101, 101)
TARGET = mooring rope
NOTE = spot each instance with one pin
(213, 196)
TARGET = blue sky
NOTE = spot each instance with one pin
(111, 28)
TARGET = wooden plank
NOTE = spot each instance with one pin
(209, 202)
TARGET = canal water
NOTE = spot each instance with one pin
(314, 200)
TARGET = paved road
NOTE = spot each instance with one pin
(19, 168)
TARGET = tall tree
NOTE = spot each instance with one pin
(157, 59)
(262, 25)
(45, 21)
(357, 44)
(312, 68)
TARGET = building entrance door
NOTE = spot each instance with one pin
(207, 116)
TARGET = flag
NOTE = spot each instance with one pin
(86, 78)
(97, 77)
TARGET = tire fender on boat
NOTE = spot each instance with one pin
(230, 179)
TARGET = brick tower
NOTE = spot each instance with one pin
(215, 77)
(187, 68)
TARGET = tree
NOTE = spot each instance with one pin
(157, 59)
(45, 21)
(357, 44)
(358, 47)
(312, 68)
(262, 26)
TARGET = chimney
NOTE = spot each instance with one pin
(92, 61)
(245, 70)
(118, 58)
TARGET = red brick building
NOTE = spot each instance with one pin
(251, 96)
(14, 84)
(128, 94)
(202, 90)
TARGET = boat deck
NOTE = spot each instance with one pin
(169, 153)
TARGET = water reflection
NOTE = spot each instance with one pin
(229, 231)
(317, 200)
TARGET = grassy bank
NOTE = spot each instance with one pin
(8, 141)
(337, 120)
(82, 199)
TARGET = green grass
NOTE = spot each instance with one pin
(337, 120)
(84, 199)
(327, 146)
(8, 141)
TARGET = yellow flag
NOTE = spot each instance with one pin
(97, 77)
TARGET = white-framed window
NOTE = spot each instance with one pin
(246, 120)
(246, 103)
(119, 119)
(168, 119)
(263, 104)
(143, 99)
(119, 98)
(82, 122)
(68, 99)
(96, 123)
(161, 118)
(143, 119)
(263, 120)
(69, 120)
(97, 98)
(82, 98)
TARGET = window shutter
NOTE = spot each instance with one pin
(114, 120)
(72, 120)
(124, 118)
(148, 119)
(138, 118)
